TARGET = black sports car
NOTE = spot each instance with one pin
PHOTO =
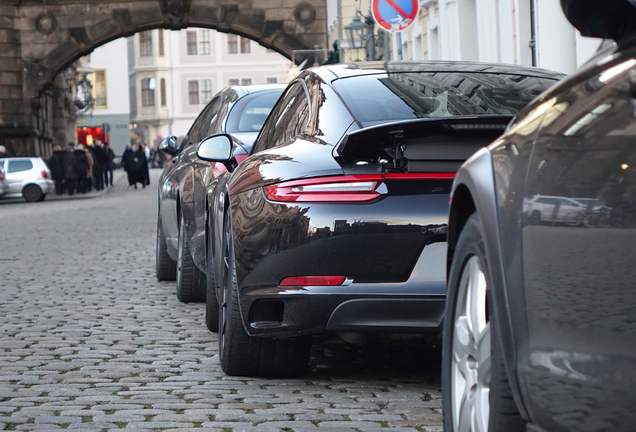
(337, 220)
(540, 333)
(181, 222)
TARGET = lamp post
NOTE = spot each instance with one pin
(361, 34)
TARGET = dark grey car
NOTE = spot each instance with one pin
(181, 224)
(540, 331)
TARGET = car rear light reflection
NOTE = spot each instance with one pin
(44, 174)
(313, 281)
(351, 188)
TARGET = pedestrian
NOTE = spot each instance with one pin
(70, 171)
(82, 165)
(110, 165)
(126, 161)
(56, 164)
(137, 166)
(97, 171)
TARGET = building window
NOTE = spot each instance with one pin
(162, 91)
(233, 44)
(161, 44)
(199, 91)
(145, 44)
(245, 45)
(148, 92)
(206, 90)
(198, 42)
(204, 42)
(246, 81)
(233, 81)
(272, 80)
(98, 88)
(191, 42)
(193, 92)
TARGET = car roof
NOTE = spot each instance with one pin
(333, 72)
(245, 90)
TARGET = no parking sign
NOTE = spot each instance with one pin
(395, 15)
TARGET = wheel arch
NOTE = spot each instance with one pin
(474, 191)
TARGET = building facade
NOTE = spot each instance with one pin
(106, 69)
(525, 32)
(173, 74)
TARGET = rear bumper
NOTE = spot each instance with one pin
(284, 313)
(416, 305)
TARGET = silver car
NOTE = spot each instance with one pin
(26, 177)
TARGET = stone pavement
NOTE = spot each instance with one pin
(89, 340)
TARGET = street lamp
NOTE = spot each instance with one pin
(356, 30)
(361, 34)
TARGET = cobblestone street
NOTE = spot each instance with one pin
(89, 340)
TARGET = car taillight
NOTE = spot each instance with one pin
(44, 174)
(313, 281)
(349, 188)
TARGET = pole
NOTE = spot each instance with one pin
(398, 41)
(370, 38)
(340, 28)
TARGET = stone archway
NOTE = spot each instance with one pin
(38, 38)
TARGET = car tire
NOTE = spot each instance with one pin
(469, 276)
(244, 355)
(32, 193)
(165, 266)
(190, 280)
(211, 300)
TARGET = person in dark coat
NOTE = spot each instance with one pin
(126, 161)
(70, 171)
(98, 167)
(80, 163)
(57, 168)
(110, 165)
(138, 167)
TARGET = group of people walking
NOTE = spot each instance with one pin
(81, 169)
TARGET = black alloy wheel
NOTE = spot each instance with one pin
(190, 280)
(475, 389)
(165, 267)
(244, 355)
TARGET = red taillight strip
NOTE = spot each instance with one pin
(313, 281)
(292, 191)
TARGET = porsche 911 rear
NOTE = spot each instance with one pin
(362, 249)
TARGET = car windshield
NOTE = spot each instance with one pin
(379, 98)
(251, 111)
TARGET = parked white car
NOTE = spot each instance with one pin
(26, 177)
(4, 186)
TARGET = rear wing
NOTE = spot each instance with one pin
(421, 144)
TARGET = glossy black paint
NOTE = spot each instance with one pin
(557, 198)
(185, 182)
(390, 249)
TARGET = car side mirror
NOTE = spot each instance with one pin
(169, 145)
(216, 148)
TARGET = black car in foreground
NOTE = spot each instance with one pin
(337, 221)
(540, 331)
(182, 217)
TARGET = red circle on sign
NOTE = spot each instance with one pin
(408, 18)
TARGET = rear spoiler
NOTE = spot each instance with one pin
(391, 138)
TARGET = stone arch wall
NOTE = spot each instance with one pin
(39, 38)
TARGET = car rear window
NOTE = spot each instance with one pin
(250, 112)
(379, 98)
(19, 165)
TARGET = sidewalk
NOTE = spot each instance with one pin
(119, 176)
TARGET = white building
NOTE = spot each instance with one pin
(173, 74)
(526, 32)
(107, 70)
